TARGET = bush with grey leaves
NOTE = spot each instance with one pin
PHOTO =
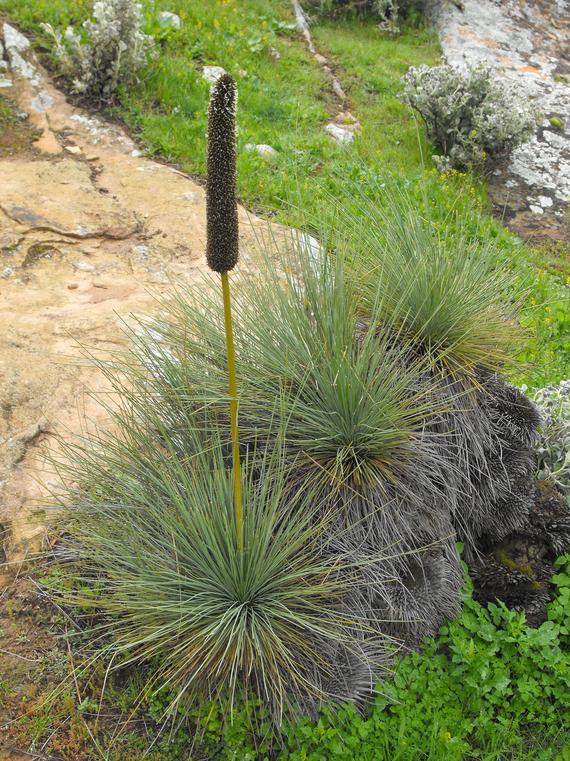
(553, 448)
(473, 118)
(110, 52)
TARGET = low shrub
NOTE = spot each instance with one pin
(109, 54)
(389, 436)
(553, 448)
(354, 404)
(471, 117)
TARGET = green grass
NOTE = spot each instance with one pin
(7, 117)
(371, 66)
(287, 103)
(284, 104)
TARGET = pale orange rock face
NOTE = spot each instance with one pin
(90, 233)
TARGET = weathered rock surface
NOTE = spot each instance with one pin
(344, 128)
(517, 570)
(261, 148)
(22, 61)
(528, 43)
(90, 233)
(212, 73)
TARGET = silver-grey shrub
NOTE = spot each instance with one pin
(553, 448)
(110, 52)
(471, 116)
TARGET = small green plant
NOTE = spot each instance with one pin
(557, 123)
(471, 117)
(7, 116)
(487, 688)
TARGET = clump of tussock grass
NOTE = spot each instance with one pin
(354, 404)
(150, 533)
(443, 287)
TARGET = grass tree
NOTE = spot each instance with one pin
(453, 297)
(355, 407)
(220, 581)
(373, 425)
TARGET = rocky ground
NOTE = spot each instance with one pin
(90, 233)
(529, 44)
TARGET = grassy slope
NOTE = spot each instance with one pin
(286, 104)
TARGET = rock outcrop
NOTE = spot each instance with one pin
(527, 42)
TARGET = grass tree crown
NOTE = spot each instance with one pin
(221, 201)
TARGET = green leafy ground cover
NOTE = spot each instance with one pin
(489, 687)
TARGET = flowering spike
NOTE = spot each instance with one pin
(222, 242)
(221, 202)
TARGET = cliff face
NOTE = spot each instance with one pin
(528, 41)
